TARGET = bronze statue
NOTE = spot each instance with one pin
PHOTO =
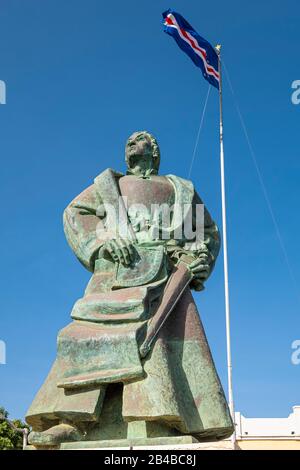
(134, 366)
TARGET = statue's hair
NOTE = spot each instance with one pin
(154, 146)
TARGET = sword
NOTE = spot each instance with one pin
(176, 285)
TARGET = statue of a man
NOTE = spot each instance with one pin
(134, 365)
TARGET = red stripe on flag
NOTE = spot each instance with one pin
(169, 21)
(209, 68)
(212, 70)
(193, 43)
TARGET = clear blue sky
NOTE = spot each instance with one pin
(81, 76)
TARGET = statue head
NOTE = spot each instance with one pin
(142, 154)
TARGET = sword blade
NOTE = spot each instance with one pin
(176, 285)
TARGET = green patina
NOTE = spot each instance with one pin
(101, 391)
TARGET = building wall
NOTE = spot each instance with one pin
(268, 433)
(268, 444)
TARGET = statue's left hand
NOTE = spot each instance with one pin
(200, 267)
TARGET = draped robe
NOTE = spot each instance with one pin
(176, 383)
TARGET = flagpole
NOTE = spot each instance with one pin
(225, 259)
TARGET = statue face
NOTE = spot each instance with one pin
(139, 153)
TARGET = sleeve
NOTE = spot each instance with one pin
(210, 244)
(212, 239)
(81, 226)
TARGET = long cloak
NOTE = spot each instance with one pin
(177, 383)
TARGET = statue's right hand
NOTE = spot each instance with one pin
(119, 249)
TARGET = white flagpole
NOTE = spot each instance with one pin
(224, 231)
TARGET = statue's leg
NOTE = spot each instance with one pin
(58, 415)
(89, 355)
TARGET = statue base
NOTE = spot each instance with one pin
(138, 433)
(158, 443)
(121, 443)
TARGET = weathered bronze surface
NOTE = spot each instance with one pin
(104, 389)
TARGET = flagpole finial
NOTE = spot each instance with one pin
(218, 48)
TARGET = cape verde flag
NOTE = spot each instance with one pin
(198, 49)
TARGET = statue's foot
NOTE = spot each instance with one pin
(54, 436)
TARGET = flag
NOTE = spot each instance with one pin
(197, 48)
